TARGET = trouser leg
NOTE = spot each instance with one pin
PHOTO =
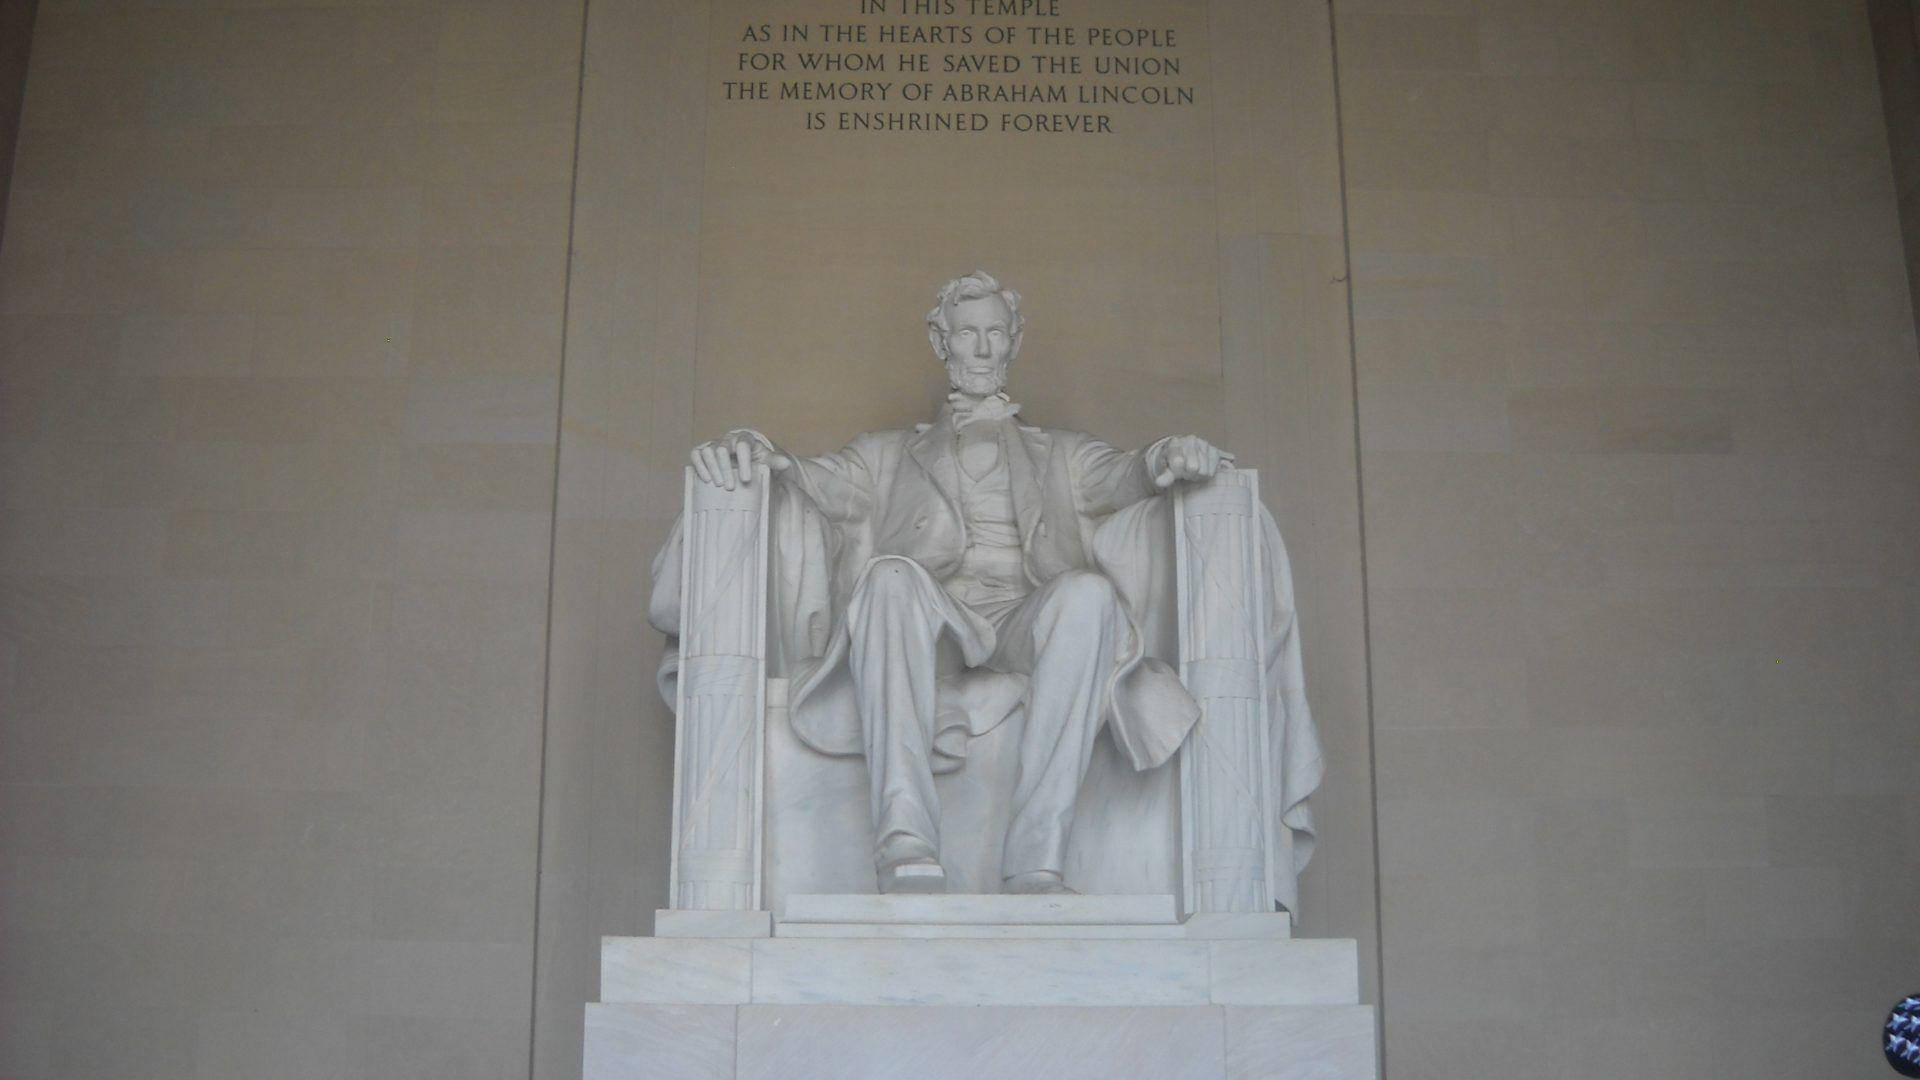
(1065, 635)
(891, 654)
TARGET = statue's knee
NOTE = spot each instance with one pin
(888, 581)
(1085, 592)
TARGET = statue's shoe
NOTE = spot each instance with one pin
(913, 876)
(1039, 883)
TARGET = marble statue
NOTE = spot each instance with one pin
(923, 586)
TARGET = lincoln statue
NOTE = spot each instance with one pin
(975, 530)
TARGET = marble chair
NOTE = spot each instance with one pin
(1223, 827)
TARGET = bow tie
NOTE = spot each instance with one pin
(966, 410)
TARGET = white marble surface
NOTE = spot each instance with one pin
(693, 923)
(720, 696)
(683, 1042)
(1154, 931)
(831, 1043)
(1331, 1042)
(799, 971)
(1226, 802)
(1314, 972)
(815, 970)
(999, 909)
(1241, 1007)
(803, 1042)
(1058, 917)
(676, 971)
(1238, 924)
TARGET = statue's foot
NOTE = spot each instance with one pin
(913, 876)
(1039, 883)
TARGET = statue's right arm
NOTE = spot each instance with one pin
(728, 461)
(840, 484)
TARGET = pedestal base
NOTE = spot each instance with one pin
(973, 987)
(837, 1042)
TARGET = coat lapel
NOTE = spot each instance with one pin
(932, 449)
(1027, 458)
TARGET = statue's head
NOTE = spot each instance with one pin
(975, 330)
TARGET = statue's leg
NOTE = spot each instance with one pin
(1065, 635)
(894, 629)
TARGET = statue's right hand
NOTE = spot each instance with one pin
(729, 460)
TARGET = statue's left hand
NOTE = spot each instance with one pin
(1186, 457)
(729, 459)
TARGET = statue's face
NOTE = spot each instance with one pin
(980, 343)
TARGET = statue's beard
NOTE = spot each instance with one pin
(979, 384)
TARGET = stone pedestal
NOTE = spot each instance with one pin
(974, 987)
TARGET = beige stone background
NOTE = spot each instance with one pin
(281, 302)
(350, 352)
(1640, 440)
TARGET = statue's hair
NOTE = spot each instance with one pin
(975, 286)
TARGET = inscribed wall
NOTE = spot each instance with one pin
(1640, 445)
(742, 259)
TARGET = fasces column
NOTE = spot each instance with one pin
(720, 706)
(1224, 786)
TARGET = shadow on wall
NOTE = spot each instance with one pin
(16, 36)
(1896, 48)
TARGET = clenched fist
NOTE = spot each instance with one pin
(1185, 457)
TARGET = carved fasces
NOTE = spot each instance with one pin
(1225, 790)
(720, 706)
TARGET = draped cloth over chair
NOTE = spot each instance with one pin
(752, 585)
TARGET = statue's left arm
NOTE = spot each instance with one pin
(1111, 479)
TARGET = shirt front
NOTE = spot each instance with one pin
(992, 573)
